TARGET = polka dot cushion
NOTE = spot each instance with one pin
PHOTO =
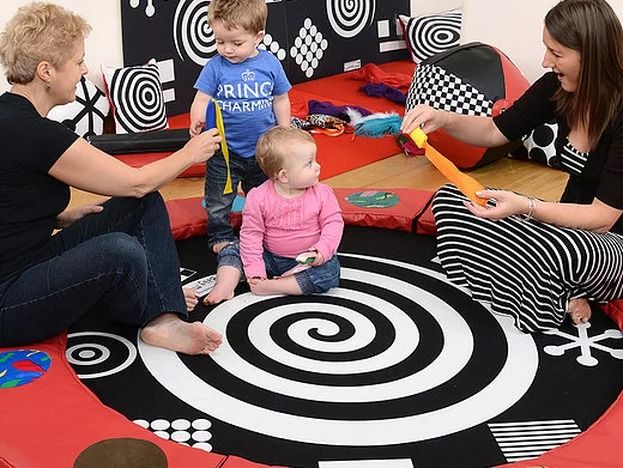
(539, 146)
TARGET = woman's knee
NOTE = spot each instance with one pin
(122, 250)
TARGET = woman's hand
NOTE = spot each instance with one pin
(506, 204)
(68, 217)
(425, 117)
(203, 146)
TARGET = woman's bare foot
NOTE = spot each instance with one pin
(284, 285)
(170, 332)
(579, 310)
(190, 297)
(227, 278)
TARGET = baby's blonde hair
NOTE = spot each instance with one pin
(39, 32)
(273, 147)
(249, 15)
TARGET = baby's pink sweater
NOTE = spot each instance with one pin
(288, 226)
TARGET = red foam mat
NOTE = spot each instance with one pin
(50, 421)
(412, 213)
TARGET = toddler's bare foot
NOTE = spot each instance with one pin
(285, 285)
(190, 297)
(579, 310)
(227, 278)
(171, 332)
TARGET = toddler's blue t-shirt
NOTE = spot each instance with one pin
(244, 92)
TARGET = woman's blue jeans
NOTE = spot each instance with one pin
(123, 258)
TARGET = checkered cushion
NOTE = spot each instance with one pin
(441, 89)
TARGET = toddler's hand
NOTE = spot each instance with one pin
(196, 128)
(190, 297)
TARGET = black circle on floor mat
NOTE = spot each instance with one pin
(290, 388)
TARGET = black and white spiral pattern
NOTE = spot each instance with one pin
(349, 17)
(193, 36)
(138, 98)
(388, 357)
(95, 354)
(432, 34)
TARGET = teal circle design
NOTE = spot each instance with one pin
(21, 367)
(373, 199)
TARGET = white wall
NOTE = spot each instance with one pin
(511, 25)
(103, 46)
(515, 27)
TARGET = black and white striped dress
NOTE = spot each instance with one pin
(522, 267)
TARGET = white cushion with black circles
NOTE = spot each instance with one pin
(539, 146)
(443, 90)
(85, 116)
(428, 35)
(136, 97)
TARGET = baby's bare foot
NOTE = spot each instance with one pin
(171, 332)
(218, 294)
(579, 310)
(285, 285)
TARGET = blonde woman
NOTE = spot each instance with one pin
(120, 255)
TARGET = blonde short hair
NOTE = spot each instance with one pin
(249, 15)
(39, 32)
(274, 146)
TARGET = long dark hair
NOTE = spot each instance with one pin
(593, 29)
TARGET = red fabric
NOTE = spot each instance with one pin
(50, 421)
(343, 89)
(371, 73)
(336, 155)
(614, 310)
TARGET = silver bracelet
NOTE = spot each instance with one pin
(531, 208)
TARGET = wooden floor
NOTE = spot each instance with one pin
(400, 171)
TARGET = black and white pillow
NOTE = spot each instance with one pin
(85, 116)
(136, 97)
(428, 35)
(438, 88)
(539, 146)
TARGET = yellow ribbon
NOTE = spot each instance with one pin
(220, 126)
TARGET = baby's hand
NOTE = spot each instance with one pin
(254, 283)
(319, 260)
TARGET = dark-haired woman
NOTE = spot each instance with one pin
(535, 260)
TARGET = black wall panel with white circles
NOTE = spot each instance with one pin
(311, 38)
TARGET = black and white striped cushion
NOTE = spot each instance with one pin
(428, 35)
(136, 96)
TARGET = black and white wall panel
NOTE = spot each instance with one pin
(312, 38)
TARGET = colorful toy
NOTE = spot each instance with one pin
(214, 119)
(466, 184)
